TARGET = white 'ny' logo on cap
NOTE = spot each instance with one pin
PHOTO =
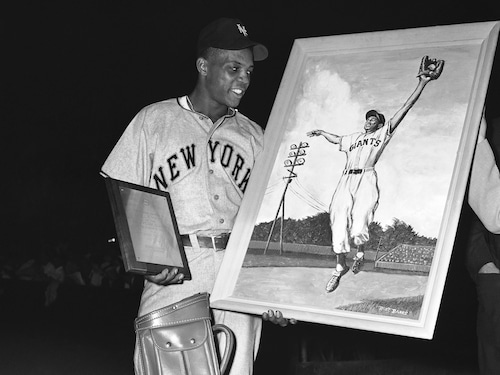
(242, 29)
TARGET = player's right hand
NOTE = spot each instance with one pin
(166, 277)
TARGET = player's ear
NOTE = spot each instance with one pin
(202, 66)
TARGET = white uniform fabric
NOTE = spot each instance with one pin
(356, 196)
(484, 187)
(205, 168)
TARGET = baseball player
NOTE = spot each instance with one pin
(201, 150)
(356, 197)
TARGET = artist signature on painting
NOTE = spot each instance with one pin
(392, 310)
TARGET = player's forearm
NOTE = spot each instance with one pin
(484, 188)
(410, 102)
(333, 138)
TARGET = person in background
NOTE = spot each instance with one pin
(483, 251)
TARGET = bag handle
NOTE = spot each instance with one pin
(228, 350)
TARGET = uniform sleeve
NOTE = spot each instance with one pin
(484, 189)
(129, 160)
(477, 248)
(259, 142)
(345, 142)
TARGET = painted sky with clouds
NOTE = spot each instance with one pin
(334, 92)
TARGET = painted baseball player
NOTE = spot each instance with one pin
(356, 197)
(201, 150)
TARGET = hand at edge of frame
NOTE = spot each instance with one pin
(277, 317)
(482, 130)
(166, 277)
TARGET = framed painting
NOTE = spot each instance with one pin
(146, 228)
(350, 215)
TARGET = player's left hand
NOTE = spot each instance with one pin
(430, 69)
(166, 277)
(277, 317)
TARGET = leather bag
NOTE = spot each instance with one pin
(179, 339)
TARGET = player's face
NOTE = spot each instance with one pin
(371, 124)
(228, 76)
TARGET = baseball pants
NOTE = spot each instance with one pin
(352, 210)
(204, 265)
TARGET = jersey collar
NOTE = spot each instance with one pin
(185, 103)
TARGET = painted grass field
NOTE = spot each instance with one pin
(300, 279)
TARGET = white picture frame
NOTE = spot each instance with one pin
(329, 83)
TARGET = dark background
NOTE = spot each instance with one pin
(76, 72)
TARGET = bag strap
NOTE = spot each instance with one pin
(189, 309)
(228, 350)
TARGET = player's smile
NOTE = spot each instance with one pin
(238, 92)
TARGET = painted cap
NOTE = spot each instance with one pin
(229, 34)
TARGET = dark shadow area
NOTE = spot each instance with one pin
(89, 330)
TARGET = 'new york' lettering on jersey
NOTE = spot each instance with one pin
(182, 161)
(204, 166)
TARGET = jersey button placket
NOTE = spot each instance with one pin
(212, 172)
(215, 196)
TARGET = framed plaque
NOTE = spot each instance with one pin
(146, 228)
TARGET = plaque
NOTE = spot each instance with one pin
(146, 229)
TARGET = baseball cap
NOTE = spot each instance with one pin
(380, 116)
(229, 34)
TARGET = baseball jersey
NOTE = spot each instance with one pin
(204, 166)
(364, 149)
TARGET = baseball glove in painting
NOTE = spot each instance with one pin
(431, 68)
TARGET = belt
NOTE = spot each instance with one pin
(218, 242)
(357, 171)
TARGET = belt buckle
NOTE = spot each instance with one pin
(219, 237)
(213, 243)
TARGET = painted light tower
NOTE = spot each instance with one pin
(295, 159)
